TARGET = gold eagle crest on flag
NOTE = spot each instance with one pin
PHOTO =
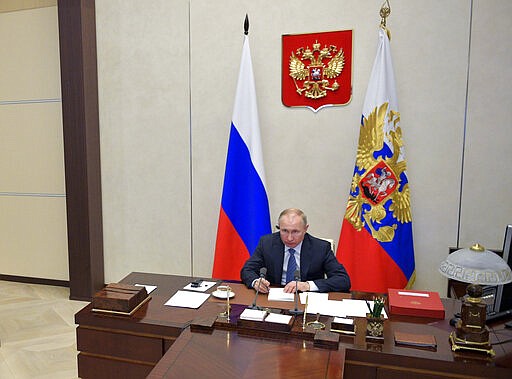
(315, 78)
(379, 178)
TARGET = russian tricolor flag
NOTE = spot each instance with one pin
(376, 244)
(244, 213)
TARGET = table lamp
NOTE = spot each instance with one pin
(476, 266)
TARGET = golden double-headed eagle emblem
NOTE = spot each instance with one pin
(379, 185)
(314, 71)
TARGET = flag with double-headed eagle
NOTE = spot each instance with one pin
(376, 244)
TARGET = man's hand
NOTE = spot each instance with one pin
(290, 287)
(263, 285)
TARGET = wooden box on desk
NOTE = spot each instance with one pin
(119, 298)
(265, 326)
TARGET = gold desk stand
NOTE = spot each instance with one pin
(317, 325)
(227, 312)
(348, 332)
(460, 344)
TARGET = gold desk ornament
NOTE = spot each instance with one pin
(317, 325)
(375, 321)
(305, 313)
(374, 327)
(471, 332)
(226, 313)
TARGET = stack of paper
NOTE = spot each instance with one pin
(342, 320)
(278, 294)
(253, 314)
(320, 303)
(278, 318)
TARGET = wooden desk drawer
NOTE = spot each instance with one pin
(91, 367)
(121, 345)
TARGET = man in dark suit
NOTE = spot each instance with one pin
(291, 250)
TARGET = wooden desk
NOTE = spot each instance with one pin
(130, 347)
(197, 355)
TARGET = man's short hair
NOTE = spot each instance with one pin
(295, 211)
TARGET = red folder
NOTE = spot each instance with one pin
(415, 303)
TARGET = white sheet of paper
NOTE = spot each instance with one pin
(149, 288)
(356, 308)
(341, 320)
(253, 314)
(359, 308)
(278, 318)
(278, 294)
(419, 294)
(313, 297)
(202, 287)
(187, 299)
(327, 308)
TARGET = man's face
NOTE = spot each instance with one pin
(292, 229)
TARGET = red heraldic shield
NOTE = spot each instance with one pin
(317, 69)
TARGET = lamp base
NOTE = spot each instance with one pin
(477, 334)
(462, 344)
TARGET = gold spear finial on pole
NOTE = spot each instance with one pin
(385, 11)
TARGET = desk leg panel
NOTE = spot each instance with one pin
(121, 345)
(389, 373)
(92, 367)
(356, 371)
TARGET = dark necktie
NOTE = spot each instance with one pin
(292, 266)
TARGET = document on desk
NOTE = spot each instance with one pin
(253, 314)
(359, 308)
(342, 320)
(278, 294)
(326, 308)
(319, 303)
(187, 299)
(278, 318)
(149, 288)
(313, 297)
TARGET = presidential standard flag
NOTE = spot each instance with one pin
(376, 245)
(244, 212)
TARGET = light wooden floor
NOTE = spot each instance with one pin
(37, 332)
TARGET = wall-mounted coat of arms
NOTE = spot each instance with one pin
(317, 69)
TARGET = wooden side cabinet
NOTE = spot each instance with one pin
(117, 353)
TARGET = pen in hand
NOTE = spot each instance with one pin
(263, 288)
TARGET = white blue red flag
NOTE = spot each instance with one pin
(376, 245)
(244, 212)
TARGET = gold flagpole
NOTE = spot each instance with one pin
(385, 11)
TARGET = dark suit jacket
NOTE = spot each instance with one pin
(317, 263)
